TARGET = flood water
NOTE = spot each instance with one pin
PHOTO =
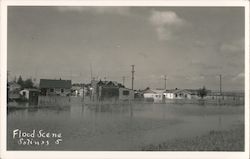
(124, 127)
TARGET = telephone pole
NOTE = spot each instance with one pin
(165, 80)
(133, 71)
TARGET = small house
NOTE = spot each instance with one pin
(157, 96)
(126, 94)
(178, 94)
(51, 87)
(30, 94)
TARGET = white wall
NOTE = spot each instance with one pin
(148, 95)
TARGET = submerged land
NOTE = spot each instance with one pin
(226, 140)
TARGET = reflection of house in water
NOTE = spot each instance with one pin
(55, 87)
(109, 90)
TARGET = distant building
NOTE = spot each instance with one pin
(126, 94)
(30, 94)
(178, 94)
(157, 96)
(49, 87)
(109, 90)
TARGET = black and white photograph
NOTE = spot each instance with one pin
(126, 78)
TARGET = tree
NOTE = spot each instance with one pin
(20, 81)
(202, 92)
(28, 83)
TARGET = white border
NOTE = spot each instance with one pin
(115, 154)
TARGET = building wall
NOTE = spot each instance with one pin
(169, 95)
(182, 95)
(108, 93)
(158, 98)
(148, 95)
(179, 95)
(55, 91)
(126, 94)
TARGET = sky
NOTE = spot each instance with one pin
(192, 46)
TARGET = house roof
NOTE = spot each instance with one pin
(159, 91)
(177, 91)
(149, 91)
(50, 83)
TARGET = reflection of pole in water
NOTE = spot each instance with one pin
(164, 112)
(131, 109)
(82, 108)
(130, 136)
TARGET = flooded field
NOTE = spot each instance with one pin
(124, 127)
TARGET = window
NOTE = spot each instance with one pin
(125, 93)
(51, 90)
(62, 90)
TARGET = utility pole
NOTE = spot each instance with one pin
(220, 85)
(123, 80)
(165, 80)
(133, 71)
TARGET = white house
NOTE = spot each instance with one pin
(178, 94)
(156, 95)
(149, 94)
